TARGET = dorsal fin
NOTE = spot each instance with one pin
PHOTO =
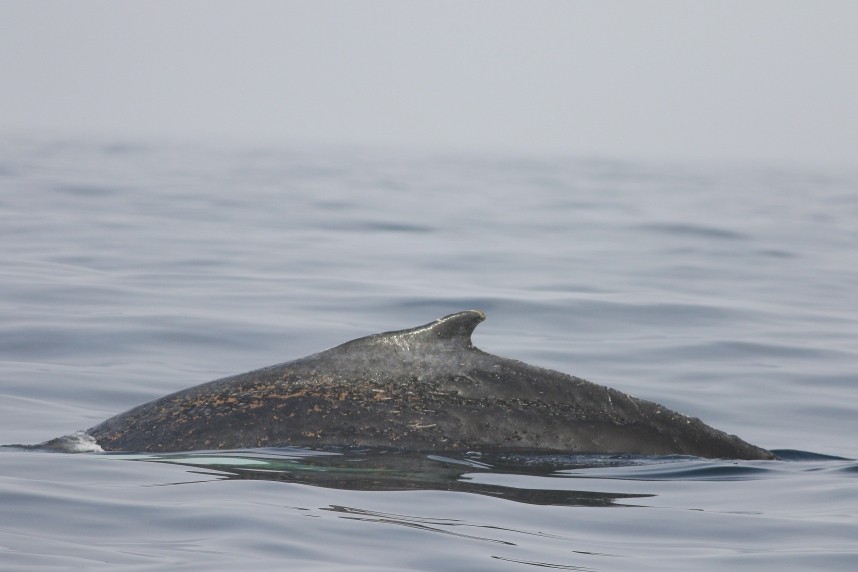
(452, 332)
(456, 328)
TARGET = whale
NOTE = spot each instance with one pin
(421, 389)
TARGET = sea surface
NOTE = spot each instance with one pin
(132, 269)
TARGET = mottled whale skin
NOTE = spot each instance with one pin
(424, 389)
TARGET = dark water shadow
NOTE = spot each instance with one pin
(796, 455)
(384, 470)
(499, 475)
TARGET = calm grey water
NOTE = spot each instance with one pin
(132, 270)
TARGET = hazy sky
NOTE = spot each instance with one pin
(759, 80)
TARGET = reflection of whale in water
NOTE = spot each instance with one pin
(423, 389)
(384, 470)
(539, 479)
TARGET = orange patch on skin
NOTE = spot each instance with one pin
(299, 393)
